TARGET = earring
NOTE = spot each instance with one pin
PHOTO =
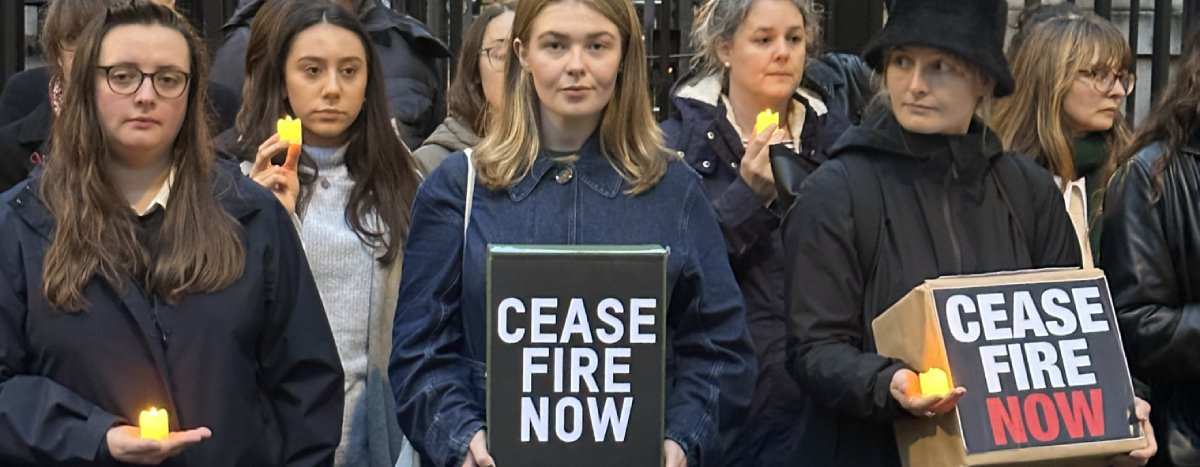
(727, 65)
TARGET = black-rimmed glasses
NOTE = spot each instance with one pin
(126, 80)
(1105, 80)
(497, 54)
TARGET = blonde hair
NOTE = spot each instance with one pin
(629, 135)
(1046, 64)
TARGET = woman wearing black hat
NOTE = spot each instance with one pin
(921, 189)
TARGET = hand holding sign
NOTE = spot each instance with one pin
(282, 180)
(906, 389)
(673, 455)
(1142, 456)
(477, 453)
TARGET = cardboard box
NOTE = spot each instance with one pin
(575, 355)
(1040, 355)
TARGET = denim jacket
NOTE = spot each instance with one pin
(439, 337)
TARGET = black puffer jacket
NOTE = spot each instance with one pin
(940, 208)
(1150, 251)
(407, 51)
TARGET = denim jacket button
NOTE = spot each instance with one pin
(706, 164)
(712, 135)
(564, 176)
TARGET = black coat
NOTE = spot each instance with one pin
(23, 92)
(23, 145)
(1150, 251)
(943, 211)
(406, 49)
(255, 362)
(711, 146)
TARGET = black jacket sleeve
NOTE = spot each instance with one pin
(41, 421)
(1159, 330)
(825, 304)
(298, 360)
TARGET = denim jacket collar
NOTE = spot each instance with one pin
(593, 169)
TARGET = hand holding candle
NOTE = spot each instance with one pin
(290, 130)
(934, 382)
(765, 119)
(154, 424)
(127, 445)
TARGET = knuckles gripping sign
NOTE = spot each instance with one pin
(576, 355)
(1040, 356)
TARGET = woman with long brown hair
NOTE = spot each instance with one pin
(1150, 251)
(139, 272)
(350, 192)
(1074, 72)
(571, 156)
(477, 87)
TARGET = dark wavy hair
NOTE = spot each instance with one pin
(1175, 118)
(465, 97)
(95, 230)
(385, 178)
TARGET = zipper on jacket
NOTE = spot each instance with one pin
(949, 218)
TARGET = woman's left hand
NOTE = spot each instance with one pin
(1141, 456)
(906, 389)
(673, 455)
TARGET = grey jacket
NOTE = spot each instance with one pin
(449, 137)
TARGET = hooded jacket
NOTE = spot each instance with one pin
(449, 137)
(943, 210)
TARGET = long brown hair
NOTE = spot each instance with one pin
(1175, 118)
(465, 97)
(629, 135)
(95, 230)
(1046, 63)
(65, 21)
(385, 179)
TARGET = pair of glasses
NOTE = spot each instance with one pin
(497, 54)
(1105, 80)
(127, 80)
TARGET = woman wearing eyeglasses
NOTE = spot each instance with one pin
(138, 271)
(477, 87)
(1072, 73)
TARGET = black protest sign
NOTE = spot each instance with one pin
(1042, 364)
(575, 357)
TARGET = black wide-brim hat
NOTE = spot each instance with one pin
(970, 29)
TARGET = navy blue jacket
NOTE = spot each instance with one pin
(255, 362)
(439, 341)
(700, 129)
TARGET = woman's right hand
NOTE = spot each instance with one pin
(906, 389)
(126, 444)
(755, 167)
(282, 180)
(477, 453)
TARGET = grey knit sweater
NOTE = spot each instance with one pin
(347, 275)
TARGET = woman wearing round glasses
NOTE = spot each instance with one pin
(477, 87)
(137, 271)
(1072, 69)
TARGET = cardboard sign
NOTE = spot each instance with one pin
(575, 357)
(1040, 356)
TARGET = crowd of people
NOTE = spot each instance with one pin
(324, 302)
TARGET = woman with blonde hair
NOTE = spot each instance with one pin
(572, 156)
(1073, 69)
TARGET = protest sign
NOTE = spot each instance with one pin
(575, 358)
(1040, 356)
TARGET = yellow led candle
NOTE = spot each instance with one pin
(765, 118)
(154, 424)
(290, 130)
(935, 382)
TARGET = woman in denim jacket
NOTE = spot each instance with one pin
(573, 156)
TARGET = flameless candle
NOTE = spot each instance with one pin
(765, 119)
(935, 382)
(290, 130)
(154, 424)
